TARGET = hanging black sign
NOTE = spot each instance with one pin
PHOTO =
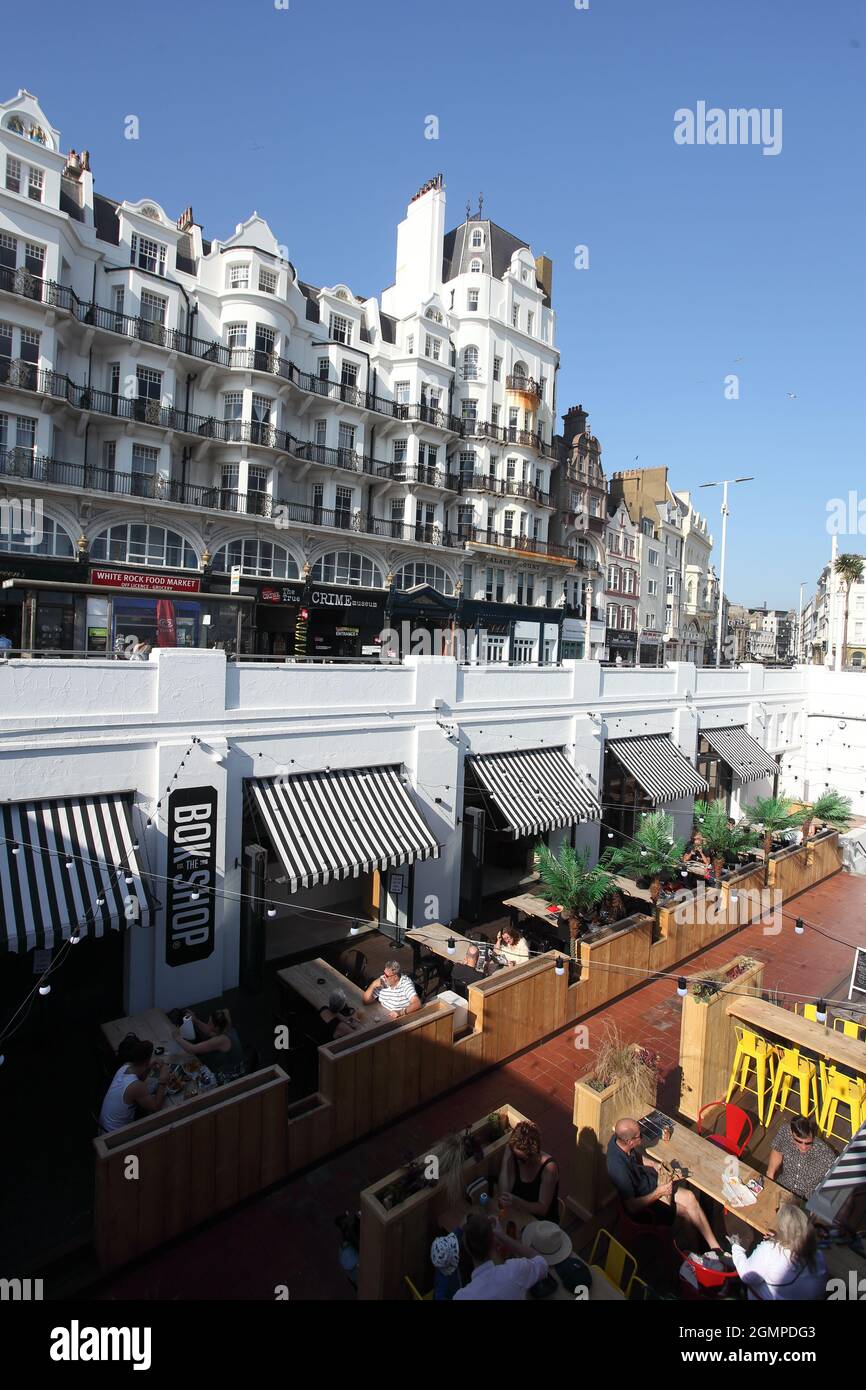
(190, 901)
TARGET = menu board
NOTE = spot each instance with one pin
(858, 974)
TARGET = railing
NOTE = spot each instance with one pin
(475, 534)
(505, 434)
(510, 487)
(419, 473)
(527, 384)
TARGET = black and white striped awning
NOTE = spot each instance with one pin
(744, 756)
(658, 766)
(327, 825)
(535, 790)
(845, 1179)
(65, 864)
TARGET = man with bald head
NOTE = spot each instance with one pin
(636, 1179)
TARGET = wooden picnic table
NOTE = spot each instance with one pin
(316, 980)
(801, 1032)
(706, 1164)
(152, 1026)
(434, 937)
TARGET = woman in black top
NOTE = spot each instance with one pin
(529, 1178)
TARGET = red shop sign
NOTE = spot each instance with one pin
(131, 579)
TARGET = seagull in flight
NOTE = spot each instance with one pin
(792, 395)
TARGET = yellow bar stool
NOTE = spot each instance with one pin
(752, 1047)
(850, 1028)
(807, 1011)
(791, 1067)
(837, 1089)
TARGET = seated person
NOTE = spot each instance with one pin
(636, 1180)
(445, 1258)
(219, 1043)
(529, 1177)
(787, 1264)
(473, 970)
(512, 946)
(394, 991)
(505, 1283)
(695, 852)
(799, 1159)
(337, 1017)
(128, 1093)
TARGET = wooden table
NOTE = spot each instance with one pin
(812, 1037)
(434, 937)
(152, 1026)
(316, 980)
(705, 1164)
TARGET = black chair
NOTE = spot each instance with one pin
(353, 964)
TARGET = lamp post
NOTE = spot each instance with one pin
(724, 484)
(800, 655)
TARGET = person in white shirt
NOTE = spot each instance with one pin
(787, 1264)
(512, 947)
(505, 1283)
(394, 991)
(128, 1092)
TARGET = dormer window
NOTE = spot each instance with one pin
(238, 276)
(477, 239)
(341, 329)
(147, 254)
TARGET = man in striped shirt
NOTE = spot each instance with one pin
(394, 991)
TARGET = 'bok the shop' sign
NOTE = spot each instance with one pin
(190, 900)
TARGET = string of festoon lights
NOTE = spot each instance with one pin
(357, 923)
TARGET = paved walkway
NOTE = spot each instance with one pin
(289, 1237)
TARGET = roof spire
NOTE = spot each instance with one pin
(468, 210)
(480, 204)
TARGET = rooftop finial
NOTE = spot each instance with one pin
(468, 209)
(480, 204)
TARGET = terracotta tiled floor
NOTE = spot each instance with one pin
(289, 1237)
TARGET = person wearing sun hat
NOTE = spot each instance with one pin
(445, 1258)
(551, 1241)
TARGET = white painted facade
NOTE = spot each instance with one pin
(71, 728)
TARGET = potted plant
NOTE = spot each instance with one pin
(652, 853)
(570, 882)
(632, 1069)
(773, 814)
(832, 809)
(721, 841)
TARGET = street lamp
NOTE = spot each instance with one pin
(800, 653)
(724, 485)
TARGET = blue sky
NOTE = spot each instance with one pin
(698, 255)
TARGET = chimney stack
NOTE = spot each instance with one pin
(573, 424)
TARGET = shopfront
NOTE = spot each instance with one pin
(650, 648)
(621, 646)
(109, 610)
(344, 622)
(509, 632)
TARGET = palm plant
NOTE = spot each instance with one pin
(773, 813)
(832, 808)
(850, 570)
(571, 882)
(652, 853)
(721, 840)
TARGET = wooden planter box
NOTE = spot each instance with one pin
(396, 1242)
(793, 870)
(595, 1114)
(707, 1041)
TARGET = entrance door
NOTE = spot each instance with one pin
(472, 867)
(394, 898)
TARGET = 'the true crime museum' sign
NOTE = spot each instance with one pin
(192, 820)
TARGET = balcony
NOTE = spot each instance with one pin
(505, 434)
(526, 385)
(509, 487)
(476, 535)
(419, 473)
(25, 465)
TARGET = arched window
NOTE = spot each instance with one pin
(418, 573)
(470, 364)
(134, 544)
(260, 559)
(20, 536)
(475, 267)
(347, 567)
(519, 369)
(477, 238)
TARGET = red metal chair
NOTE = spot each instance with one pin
(737, 1124)
(713, 1280)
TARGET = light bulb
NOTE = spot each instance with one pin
(452, 946)
(821, 1011)
(799, 926)
(735, 897)
(69, 863)
(559, 968)
(75, 938)
(682, 987)
(354, 929)
(44, 989)
(100, 902)
(129, 878)
(272, 912)
(16, 849)
(610, 834)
